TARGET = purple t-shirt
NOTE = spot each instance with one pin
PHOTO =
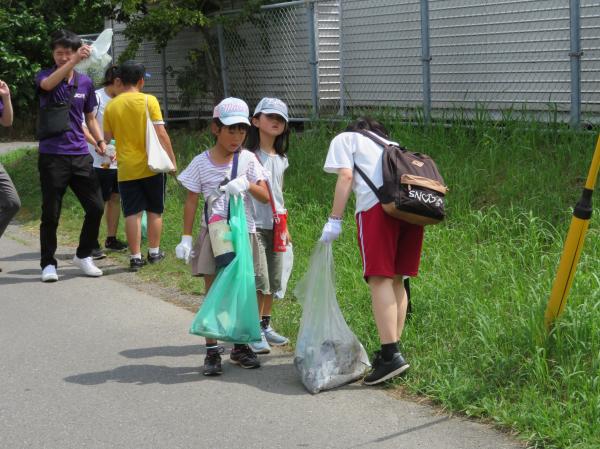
(71, 142)
(1, 107)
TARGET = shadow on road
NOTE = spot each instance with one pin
(276, 378)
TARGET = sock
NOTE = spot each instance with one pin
(266, 320)
(388, 350)
(153, 251)
(110, 238)
(237, 346)
(135, 256)
(212, 347)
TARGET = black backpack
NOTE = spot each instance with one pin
(413, 189)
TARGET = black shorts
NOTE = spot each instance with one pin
(146, 194)
(107, 177)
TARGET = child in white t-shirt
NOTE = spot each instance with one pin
(390, 248)
(268, 139)
(203, 176)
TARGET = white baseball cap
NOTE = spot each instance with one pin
(232, 111)
(272, 106)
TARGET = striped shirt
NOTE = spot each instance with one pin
(203, 176)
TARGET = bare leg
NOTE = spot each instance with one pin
(154, 229)
(385, 308)
(133, 231)
(112, 211)
(401, 303)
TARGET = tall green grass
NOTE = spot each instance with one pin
(476, 341)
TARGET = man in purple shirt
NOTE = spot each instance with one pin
(64, 159)
(9, 199)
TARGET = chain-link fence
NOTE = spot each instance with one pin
(336, 57)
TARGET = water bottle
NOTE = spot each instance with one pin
(109, 154)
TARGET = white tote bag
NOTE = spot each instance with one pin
(158, 159)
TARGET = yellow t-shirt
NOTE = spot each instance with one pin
(125, 119)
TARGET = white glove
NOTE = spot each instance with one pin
(236, 186)
(331, 230)
(184, 249)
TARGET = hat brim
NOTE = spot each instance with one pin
(235, 120)
(272, 111)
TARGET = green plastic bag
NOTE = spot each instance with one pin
(230, 310)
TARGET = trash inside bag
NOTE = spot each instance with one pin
(328, 354)
(230, 309)
(99, 59)
(286, 270)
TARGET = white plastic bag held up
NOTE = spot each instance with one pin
(328, 354)
(99, 59)
(286, 270)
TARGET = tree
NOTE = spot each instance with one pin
(25, 28)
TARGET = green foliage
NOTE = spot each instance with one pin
(25, 27)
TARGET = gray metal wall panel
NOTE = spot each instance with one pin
(381, 53)
(500, 53)
(590, 61)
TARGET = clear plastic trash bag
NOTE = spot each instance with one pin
(286, 270)
(230, 309)
(328, 354)
(99, 59)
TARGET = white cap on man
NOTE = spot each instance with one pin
(232, 111)
(272, 106)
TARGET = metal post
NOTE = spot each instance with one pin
(163, 72)
(223, 59)
(312, 56)
(426, 59)
(575, 54)
(342, 110)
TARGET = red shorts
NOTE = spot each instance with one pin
(388, 246)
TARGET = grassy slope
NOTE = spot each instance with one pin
(475, 342)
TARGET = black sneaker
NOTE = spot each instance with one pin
(98, 254)
(245, 357)
(154, 258)
(136, 263)
(115, 244)
(212, 362)
(383, 370)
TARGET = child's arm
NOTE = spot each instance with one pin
(184, 249)
(259, 191)
(189, 212)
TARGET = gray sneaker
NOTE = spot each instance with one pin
(273, 338)
(262, 346)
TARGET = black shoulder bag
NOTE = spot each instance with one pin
(53, 118)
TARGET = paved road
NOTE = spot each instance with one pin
(93, 363)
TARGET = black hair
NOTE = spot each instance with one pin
(370, 124)
(66, 39)
(109, 75)
(235, 126)
(281, 144)
(130, 72)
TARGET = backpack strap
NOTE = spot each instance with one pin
(369, 182)
(374, 137)
(363, 175)
(234, 170)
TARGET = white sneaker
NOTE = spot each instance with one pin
(273, 338)
(260, 347)
(87, 266)
(49, 274)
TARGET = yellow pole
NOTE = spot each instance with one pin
(573, 245)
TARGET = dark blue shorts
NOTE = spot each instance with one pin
(146, 194)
